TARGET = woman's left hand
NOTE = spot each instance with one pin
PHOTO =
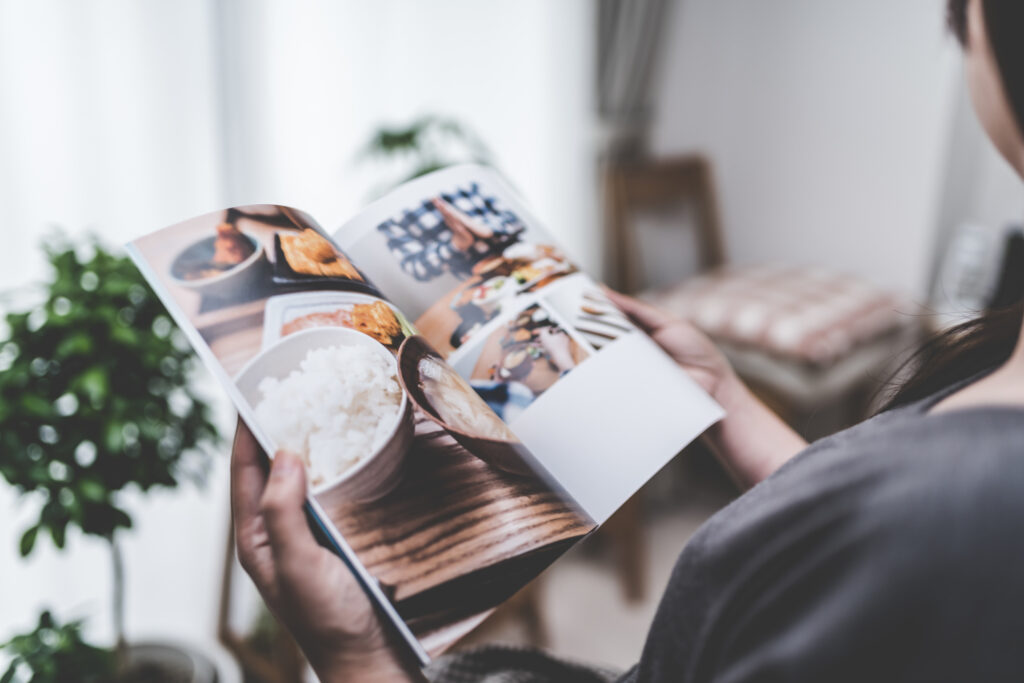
(751, 440)
(308, 588)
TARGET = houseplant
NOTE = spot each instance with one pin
(425, 145)
(96, 397)
(52, 651)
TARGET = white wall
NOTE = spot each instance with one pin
(828, 123)
(980, 188)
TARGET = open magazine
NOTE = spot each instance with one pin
(468, 403)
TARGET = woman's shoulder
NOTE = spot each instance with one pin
(962, 453)
(899, 473)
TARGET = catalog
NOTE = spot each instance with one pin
(468, 403)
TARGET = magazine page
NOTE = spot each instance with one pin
(437, 507)
(593, 398)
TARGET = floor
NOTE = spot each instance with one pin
(589, 618)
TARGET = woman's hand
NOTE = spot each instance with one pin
(308, 588)
(687, 345)
(751, 441)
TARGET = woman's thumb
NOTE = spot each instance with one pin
(282, 507)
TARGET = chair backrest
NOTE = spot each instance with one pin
(649, 184)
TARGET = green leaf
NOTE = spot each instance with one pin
(121, 519)
(113, 440)
(92, 490)
(95, 383)
(79, 343)
(124, 334)
(58, 533)
(28, 541)
(36, 406)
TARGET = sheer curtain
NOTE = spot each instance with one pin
(108, 119)
(109, 122)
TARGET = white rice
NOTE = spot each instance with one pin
(336, 409)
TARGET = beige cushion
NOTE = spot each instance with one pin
(805, 314)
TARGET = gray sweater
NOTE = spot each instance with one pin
(893, 551)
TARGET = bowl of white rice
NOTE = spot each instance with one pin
(332, 396)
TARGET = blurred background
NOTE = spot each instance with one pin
(805, 179)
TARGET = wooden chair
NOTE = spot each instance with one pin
(817, 390)
(639, 184)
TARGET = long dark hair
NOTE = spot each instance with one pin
(989, 340)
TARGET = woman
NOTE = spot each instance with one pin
(891, 551)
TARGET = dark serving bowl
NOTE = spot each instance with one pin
(509, 456)
(227, 282)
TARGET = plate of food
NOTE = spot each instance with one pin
(532, 350)
(525, 265)
(221, 264)
(286, 314)
(490, 290)
(333, 397)
(308, 258)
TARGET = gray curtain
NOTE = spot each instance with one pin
(628, 38)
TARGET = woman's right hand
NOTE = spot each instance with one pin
(751, 440)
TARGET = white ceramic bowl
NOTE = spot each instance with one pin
(229, 283)
(372, 477)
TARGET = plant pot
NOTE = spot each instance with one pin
(161, 662)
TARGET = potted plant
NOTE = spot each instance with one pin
(427, 144)
(53, 653)
(95, 397)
